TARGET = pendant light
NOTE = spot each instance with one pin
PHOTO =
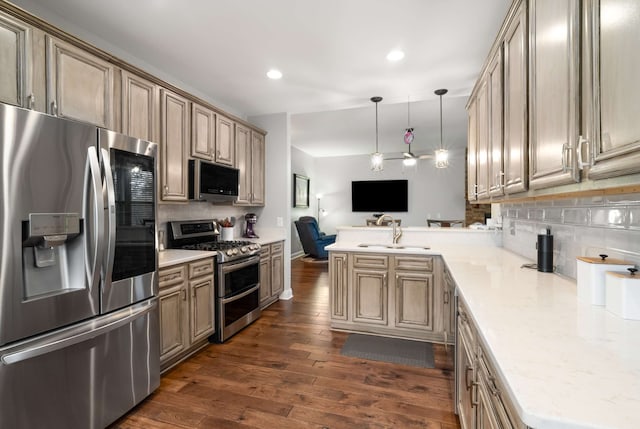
(376, 157)
(442, 155)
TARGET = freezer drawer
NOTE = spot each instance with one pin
(84, 376)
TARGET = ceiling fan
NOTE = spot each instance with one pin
(408, 157)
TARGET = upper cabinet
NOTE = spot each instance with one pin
(203, 132)
(79, 84)
(613, 90)
(250, 161)
(257, 168)
(568, 96)
(482, 141)
(140, 101)
(15, 58)
(46, 69)
(515, 103)
(554, 101)
(243, 163)
(472, 152)
(174, 141)
(225, 140)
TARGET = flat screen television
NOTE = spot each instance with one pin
(379, 196)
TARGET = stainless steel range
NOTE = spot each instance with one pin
(237, 273)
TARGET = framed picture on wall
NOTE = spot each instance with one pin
(300, 191)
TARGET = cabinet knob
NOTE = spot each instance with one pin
(32, 101)
(54, 108)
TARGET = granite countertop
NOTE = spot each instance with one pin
(566, 364)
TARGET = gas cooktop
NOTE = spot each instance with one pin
(203, 235)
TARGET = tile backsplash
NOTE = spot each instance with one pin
(580, 226)
(199, 211)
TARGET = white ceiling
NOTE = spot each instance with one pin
(332, 54)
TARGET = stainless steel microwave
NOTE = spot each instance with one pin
(212, 182)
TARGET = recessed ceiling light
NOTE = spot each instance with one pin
(395, 55)
(274, 74)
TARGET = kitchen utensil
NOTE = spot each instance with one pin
(591, 277)
(623, 293)
(545, 252)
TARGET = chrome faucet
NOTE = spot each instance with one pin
(396, 235)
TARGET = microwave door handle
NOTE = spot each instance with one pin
(94, 217)
(111, 216)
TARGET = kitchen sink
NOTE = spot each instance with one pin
(393, 246)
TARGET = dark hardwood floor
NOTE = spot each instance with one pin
(286, 371)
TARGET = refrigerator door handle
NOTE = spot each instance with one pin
(111, 215)
(96, 328)
(94, 191)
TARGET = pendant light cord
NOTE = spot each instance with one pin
(376, 127)
(440, 121)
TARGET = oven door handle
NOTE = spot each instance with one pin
(232, 266)
(242, 295)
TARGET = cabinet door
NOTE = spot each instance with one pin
(79, 85)
(370, 297)
(15, 56)
(243, 163)
(201, 308)
(203, 133)
(174, 322)
(486, 415)
(482, 148)
(140, 107)
(414, 300)
(465, 384)
(495, 144)
(277, 269)
(174, 140)
(515, 104)
(554, 92)
(257, 169)
(338, 285)
(265, 278)
(224, 140)
(449, 312)
(615, 88)
(472, 150)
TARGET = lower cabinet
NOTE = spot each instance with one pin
(389, 294)
(186, 309)
(480, 399)
(271, 273)
(414, 293)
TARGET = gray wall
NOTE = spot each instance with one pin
(433, 192)
(581, 227)
(304, 164)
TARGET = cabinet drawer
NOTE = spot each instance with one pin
(366, 260)
(413, 263)
(201, 268)
(277, 247)
(171, 276)
(265, 251)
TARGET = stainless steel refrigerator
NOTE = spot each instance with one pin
(79, 334)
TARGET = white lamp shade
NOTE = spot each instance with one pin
(442, 158)
(376, 161)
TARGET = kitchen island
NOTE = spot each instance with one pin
(560, 363)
